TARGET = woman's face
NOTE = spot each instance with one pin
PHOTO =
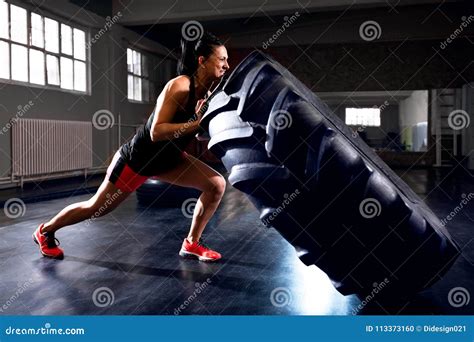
(216, 64)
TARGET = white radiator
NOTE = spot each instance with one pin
(49, 146)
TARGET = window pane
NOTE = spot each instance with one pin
(66, 39)
(67, 81)
(18, 24)
(79, 44)
(377, 122)
(129, 60)
(152, 92)
(52, 67)
(37, 37)
(19, 63)
(137, 88)
(36, 67)
(4, 60)
(130, 87)
(137, 65)
(52, 34)
(144, 65)
(3, 19)
(79, 76)
(363, 116)
(145, 90)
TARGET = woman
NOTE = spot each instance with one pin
(157, 150)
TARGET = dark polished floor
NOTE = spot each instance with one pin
(127, 263)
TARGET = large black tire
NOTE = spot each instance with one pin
(321, 186)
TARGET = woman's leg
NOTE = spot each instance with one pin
(106, 199)
(193, 173)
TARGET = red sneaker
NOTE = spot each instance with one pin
(47, 244)
(198, 250)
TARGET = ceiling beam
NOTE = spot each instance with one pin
(147, 12)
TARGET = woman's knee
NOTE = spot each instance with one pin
(97, 208)
(92, 208)
(221, 184)
(106, 199)
(217, 186)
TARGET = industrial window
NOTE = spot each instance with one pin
(39, 50)
(141, 76)
(363, 117)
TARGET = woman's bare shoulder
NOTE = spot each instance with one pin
(179, 84)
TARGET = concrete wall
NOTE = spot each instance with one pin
(108, 85)
(298, 27)
(362, 67)
(145, 11)
(417, 47)
(413, 110)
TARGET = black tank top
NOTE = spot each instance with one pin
(149, 158)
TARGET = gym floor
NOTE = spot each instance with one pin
(127, 262)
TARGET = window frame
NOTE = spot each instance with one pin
(72, 24)
(147, 55)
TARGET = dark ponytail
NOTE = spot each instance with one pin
(192, 49)
(187, 62)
